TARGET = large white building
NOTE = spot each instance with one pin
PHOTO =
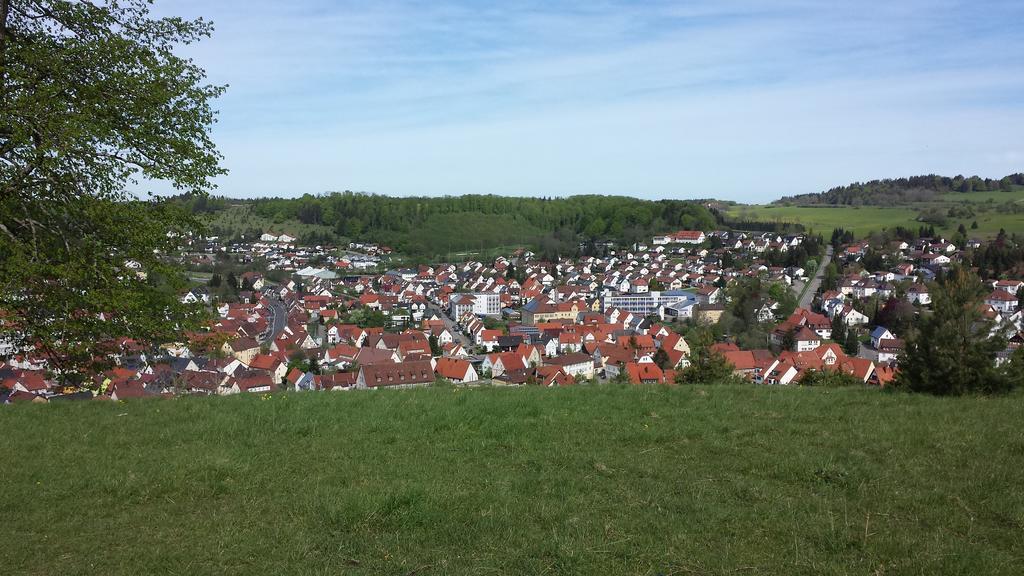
(477, 303)
(648, 303)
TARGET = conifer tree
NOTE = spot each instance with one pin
(952, 351)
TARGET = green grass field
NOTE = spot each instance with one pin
(863, 220)
(585, 480)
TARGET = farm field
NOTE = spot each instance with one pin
(863, 220)
(580, 480)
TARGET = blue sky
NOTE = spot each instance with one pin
(738, 100)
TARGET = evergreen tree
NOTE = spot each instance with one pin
(661, 359)
(707, 367)
(789, 340)
(952, 351)
(852, 344)
(838, 330)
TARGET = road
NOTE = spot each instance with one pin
(278, 318)
(450, 324)
(819, 274)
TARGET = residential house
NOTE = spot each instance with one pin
(456, 370)
(399, 375)
(575, 364)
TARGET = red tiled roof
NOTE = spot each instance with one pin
(378, 375)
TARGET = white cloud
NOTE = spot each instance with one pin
(733, 99)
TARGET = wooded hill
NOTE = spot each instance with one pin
(904, 190)
(437, 226)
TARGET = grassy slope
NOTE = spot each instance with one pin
(585, 480)
(865, 219)
(240, 217)
(824, 219)
(443, 234)
(464, 235)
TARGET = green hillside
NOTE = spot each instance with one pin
(434, 227)
(992, 211)
(943, 202)
(241, 219)
(585, 480)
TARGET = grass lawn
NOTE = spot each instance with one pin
(584, 480)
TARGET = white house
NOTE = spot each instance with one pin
(919, 293)
(880, 333)
(806, 339)
(575, 364)
(851, 317)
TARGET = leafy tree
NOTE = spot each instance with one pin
(706, 365)
(92, 95)
(435, 346)
(661, 359)
(830, 279)
(596, 228)
(952, 351)
(215, 280)
(897, 315)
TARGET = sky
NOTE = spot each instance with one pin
(740, 100)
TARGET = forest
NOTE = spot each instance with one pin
(440, 226)
(888, 192)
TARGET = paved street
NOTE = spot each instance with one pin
(278, 318)
(819, 274)
(450, 324)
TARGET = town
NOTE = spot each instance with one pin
(774, 309)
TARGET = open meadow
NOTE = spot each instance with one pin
(863, 220)
(580, 480)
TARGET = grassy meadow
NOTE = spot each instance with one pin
(861, 219)
(583, 480)
(987, 206)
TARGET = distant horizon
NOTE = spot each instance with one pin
(733, 100)
(217, 193)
